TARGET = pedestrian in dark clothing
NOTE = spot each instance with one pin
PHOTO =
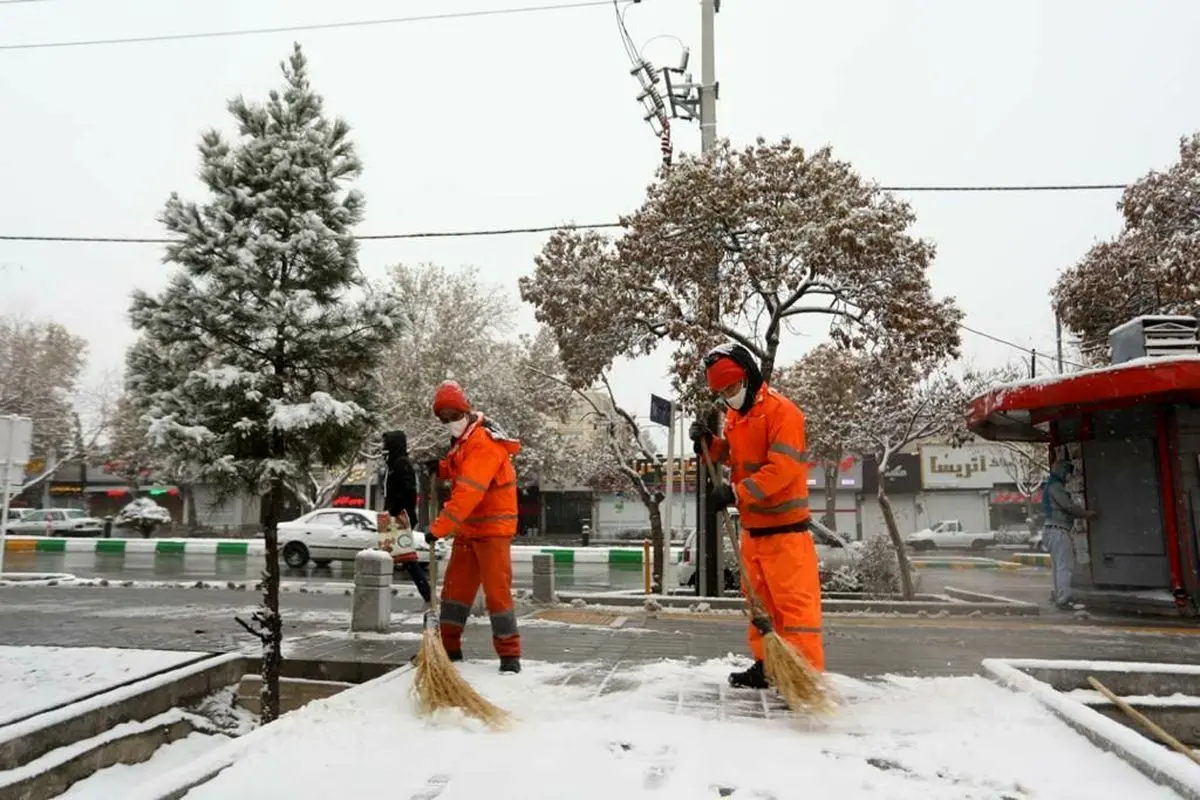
(400, 495)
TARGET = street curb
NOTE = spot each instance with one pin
(1032, 559)
(208, 547)
(983, 563)
(584, 555)
(254, 547)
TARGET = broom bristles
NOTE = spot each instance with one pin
(801, 687)
(437, 684)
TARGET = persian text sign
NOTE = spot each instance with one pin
(972, 466)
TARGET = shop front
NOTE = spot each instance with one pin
(1132, 433)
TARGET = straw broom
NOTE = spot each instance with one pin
(800, 686)
(437, 684)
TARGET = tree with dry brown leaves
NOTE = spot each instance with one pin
(828, 384)
(1151, 267)
(792, 234)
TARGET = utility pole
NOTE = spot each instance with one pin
(1058, 340)
(708, 74)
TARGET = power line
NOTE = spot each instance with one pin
(461, 234)
(1028, 350)
(319, 26)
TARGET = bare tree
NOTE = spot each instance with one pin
(900, 407)
(612, 464)
(40, 367)
(456, 326)
(828, 385)
(1026, 463)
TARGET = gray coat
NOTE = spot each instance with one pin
(1063, 510)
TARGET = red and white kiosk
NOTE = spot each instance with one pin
(1133, 432)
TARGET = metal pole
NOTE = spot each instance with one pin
(708, 75)
(710, 573)
(8, 459)
(665, 555)
(1058, 340)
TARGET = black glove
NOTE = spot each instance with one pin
(723, 497)
(431, 466)
(430, 539)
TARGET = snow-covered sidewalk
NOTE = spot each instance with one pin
(669, 730)
(33, 679)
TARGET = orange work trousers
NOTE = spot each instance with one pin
(783, 572)
(477, 560)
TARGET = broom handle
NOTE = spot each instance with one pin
(1142, 719)
(434, 601)
(756, 607)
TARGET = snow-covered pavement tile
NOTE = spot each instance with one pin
(36, 678)
(111, 782)
(669, 730)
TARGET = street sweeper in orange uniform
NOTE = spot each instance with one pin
(763, 444)
(482, 516)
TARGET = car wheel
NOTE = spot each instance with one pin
(295, 555)
(979, 544)
(324, 562)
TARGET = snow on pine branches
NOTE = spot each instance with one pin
(260, 359)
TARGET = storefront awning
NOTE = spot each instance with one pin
(1014, 412)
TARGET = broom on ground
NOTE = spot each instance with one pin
(437, 684)
(800, 685)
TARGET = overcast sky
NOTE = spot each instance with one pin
(525, 120)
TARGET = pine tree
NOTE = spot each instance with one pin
(259, 361)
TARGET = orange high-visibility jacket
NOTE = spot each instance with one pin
(483, 501)
(765, 449)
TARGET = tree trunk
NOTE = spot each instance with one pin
(272, 656)
(656, 543)
(889, 518)
(189, 506)
(831, 484)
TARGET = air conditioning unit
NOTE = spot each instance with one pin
(1154, 337)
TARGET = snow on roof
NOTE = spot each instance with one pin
(1181, 318)
(1138, 378)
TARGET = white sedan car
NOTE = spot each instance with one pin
(56, 522)
(337, 534)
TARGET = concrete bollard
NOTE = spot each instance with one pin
(372, 592)
(543, 578)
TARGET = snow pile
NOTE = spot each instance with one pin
(113, 781)
(33, 679)
(655, 732)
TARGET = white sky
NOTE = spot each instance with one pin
(531, 120)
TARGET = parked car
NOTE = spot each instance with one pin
(834, 550)
(949, 533)
(338, 534)
(57, 522)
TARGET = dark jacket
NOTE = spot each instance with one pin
(400, 478)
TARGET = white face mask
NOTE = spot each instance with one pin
(457, 427)
(736, 401)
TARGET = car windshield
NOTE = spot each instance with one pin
(941, 526)
(74, 513)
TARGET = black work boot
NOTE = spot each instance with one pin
(753, 678)
(455, 655)
(510, 664)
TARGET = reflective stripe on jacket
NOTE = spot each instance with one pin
(483, 500)
(765, 450)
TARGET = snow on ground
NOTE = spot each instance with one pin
(896, 739)
(111, 782)
(36, 678)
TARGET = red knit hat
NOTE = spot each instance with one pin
(723, 373)
(450, 397)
